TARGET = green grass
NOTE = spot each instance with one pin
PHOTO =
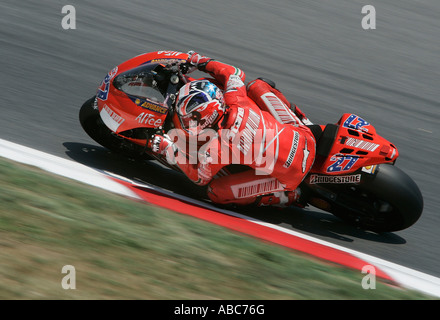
(124, 249)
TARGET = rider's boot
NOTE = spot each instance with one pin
(280, 199)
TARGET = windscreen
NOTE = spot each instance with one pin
(141, 82)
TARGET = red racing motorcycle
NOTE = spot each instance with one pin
(353, 177)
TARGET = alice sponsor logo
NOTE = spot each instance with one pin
(149, 120)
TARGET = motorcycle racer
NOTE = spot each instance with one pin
(254, 126)
(236, 141)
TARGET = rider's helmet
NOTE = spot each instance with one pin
(199, 105)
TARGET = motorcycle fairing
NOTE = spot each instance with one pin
(130, 98)
(349, 145)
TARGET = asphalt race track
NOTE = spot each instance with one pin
(318, 54)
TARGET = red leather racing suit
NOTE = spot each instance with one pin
(278, 154)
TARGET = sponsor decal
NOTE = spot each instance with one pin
(355, 122)
(249, 131)
(111, 118)
(279, 109)
(210, 120)
(342, 163)
(258, 187)
(361, 144)
(369, 169)
(165, 61)
(151, 106)
(149, 120)
(292, 152)
(170, 53)
(315, 178)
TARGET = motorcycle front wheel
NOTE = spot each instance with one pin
(93, 125)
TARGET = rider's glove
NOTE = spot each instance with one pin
(196, 61)
(162, 145)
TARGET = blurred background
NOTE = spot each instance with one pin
(316, 51)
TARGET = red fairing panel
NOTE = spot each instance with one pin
(122, 112)
(356, 145)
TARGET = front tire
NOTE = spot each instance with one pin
(93, 125)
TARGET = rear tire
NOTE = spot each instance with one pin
(387, 202)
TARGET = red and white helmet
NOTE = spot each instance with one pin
(199, 105)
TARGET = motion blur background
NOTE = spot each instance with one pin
(316, 51)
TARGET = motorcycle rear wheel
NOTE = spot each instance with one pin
(390, 201)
